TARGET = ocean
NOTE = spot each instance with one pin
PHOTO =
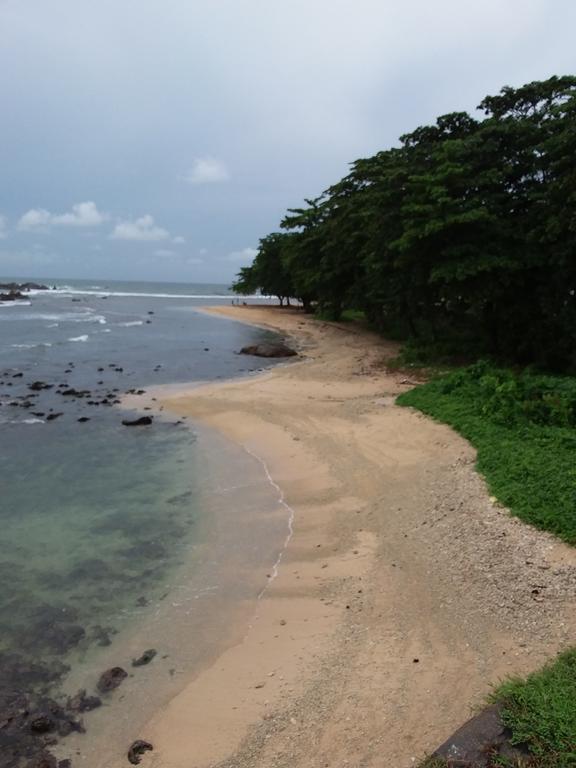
(116, 540)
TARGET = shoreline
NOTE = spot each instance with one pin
(368, 648)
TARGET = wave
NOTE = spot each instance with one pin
(70, 291)
(6, 304)
(30, 421)
(66, 317)
(80, 338)
(131, 323)
(31, 345)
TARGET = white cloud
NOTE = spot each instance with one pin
(193, 260)
(207, 170)
(82, 215)
(165, 253)
(245, 256)
(178, 240)
(3, 227)
(142, 229)
(36, 218)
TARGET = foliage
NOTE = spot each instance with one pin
(467, 229)
(523, 426)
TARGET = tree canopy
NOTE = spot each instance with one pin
(465, 231)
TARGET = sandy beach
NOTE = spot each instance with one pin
(404, 592)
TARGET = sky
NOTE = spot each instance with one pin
(160, 139)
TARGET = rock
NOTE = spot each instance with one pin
(52, 416)
(42, 722)
(44, 760)
(101, 635)
(37, 386)
(143, 421)
(74, 392)
(83, 419)
(83, 703)
(137, 750)
(58, 637)
(269, 349)
(111, 679)
(480, 740)
(146, 658)
(12, 296)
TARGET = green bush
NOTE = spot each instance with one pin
(523, 427)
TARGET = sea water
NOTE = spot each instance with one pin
(114, 539)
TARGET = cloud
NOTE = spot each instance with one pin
(143, 229)
(82, 215)
(165, 253)
(207, 170)
(178, 240)
(3, 227)
(245, 256)
(36, 218)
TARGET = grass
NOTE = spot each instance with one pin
(541, 712)
(523, 426)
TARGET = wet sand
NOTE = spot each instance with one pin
(404, 590)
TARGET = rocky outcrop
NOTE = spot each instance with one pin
(269, 349)
(143, 421)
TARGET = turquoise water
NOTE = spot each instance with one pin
(103, 527)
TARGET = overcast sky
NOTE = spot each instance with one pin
(160, 139)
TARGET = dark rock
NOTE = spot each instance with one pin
(83, 419)
(83, 703)
(52, 416)
(269, 349)
(142, 421)
(12, 296)
(480, 740)
(42, 722)
(146, 658)
(101, 635)
(59, 638)
(137, 750)
(111, 679)
(43, 760)
(37, 386)
(17, 375)
(142, 601)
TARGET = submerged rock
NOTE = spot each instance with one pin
(111, 679)
(146, 658)
(269, 349)
(143, 421)
(84, 703)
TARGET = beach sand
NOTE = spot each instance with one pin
(404, 591)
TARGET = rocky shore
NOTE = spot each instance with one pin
(19, 291)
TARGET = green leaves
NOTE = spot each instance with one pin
(468, 228)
